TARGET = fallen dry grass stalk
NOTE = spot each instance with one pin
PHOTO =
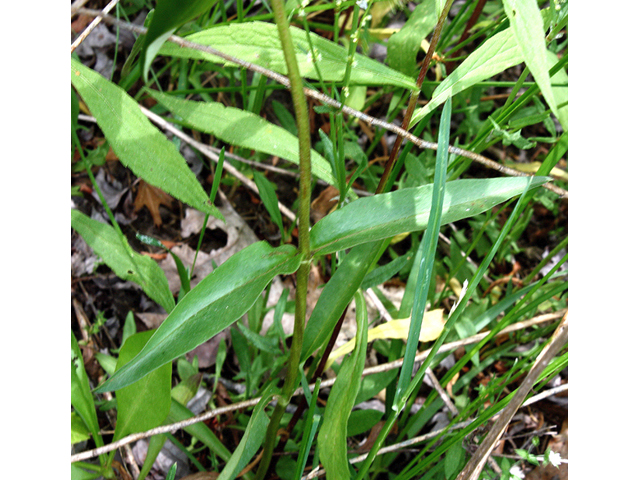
(327, 383)
(283, 80)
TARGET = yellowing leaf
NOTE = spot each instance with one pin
(432, 325)
(533, 167)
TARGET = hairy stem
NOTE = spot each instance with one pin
(304, 136)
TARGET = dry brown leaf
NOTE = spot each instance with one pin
(327, 199)
(151, 197)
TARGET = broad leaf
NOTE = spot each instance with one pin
(144, 404)
(259, 43)
(215, 303)
(403, 46)
(407, 210)
(120, 257)
(494, 56)
(244, 129)
(137, 143)
(167, 17)
(332, 437)
(529, 32)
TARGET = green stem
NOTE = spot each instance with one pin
(413, 100)
(304, 135)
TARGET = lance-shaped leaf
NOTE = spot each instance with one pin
(167, 17)
(137, 143)
(332, 438)
(81, 397)
(127, 264)
(144, 404)
(215, 303)
(244, 129)
(337, 294)
(407, 210)
(529, 31)
(494, 56)
(259, 43)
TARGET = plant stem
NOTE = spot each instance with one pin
(304, 136)
(413, 100)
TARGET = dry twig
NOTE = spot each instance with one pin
(283, 80)
(327, 383)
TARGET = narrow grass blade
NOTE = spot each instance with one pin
(137, 143)
(528, 28)
(215, 303)
(167, 17)
(258, 43)
(270, 199)
(251, 440)
(200, 431)
(244, 129)
(332, 438)
(408, 210)
(127, 264)
(81, 397)
(430, 243)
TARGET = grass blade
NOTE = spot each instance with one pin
(430, 243)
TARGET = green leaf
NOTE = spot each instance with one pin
(362, 421)
(404, 45)
(494, 56)
(560, 93)
(215, 303)
(428, 251)
(81, 397)
(154, 447)
(137, 143)
(269, 198)
(252, 438)
(258, 43)
(244, 129)
(144, 404)
(332, 438)
(168, 16)
(528, 28)
(79, 431)
(454, 460)
(407, 210)
(199, 430)
(127, 264)
(337, 294)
